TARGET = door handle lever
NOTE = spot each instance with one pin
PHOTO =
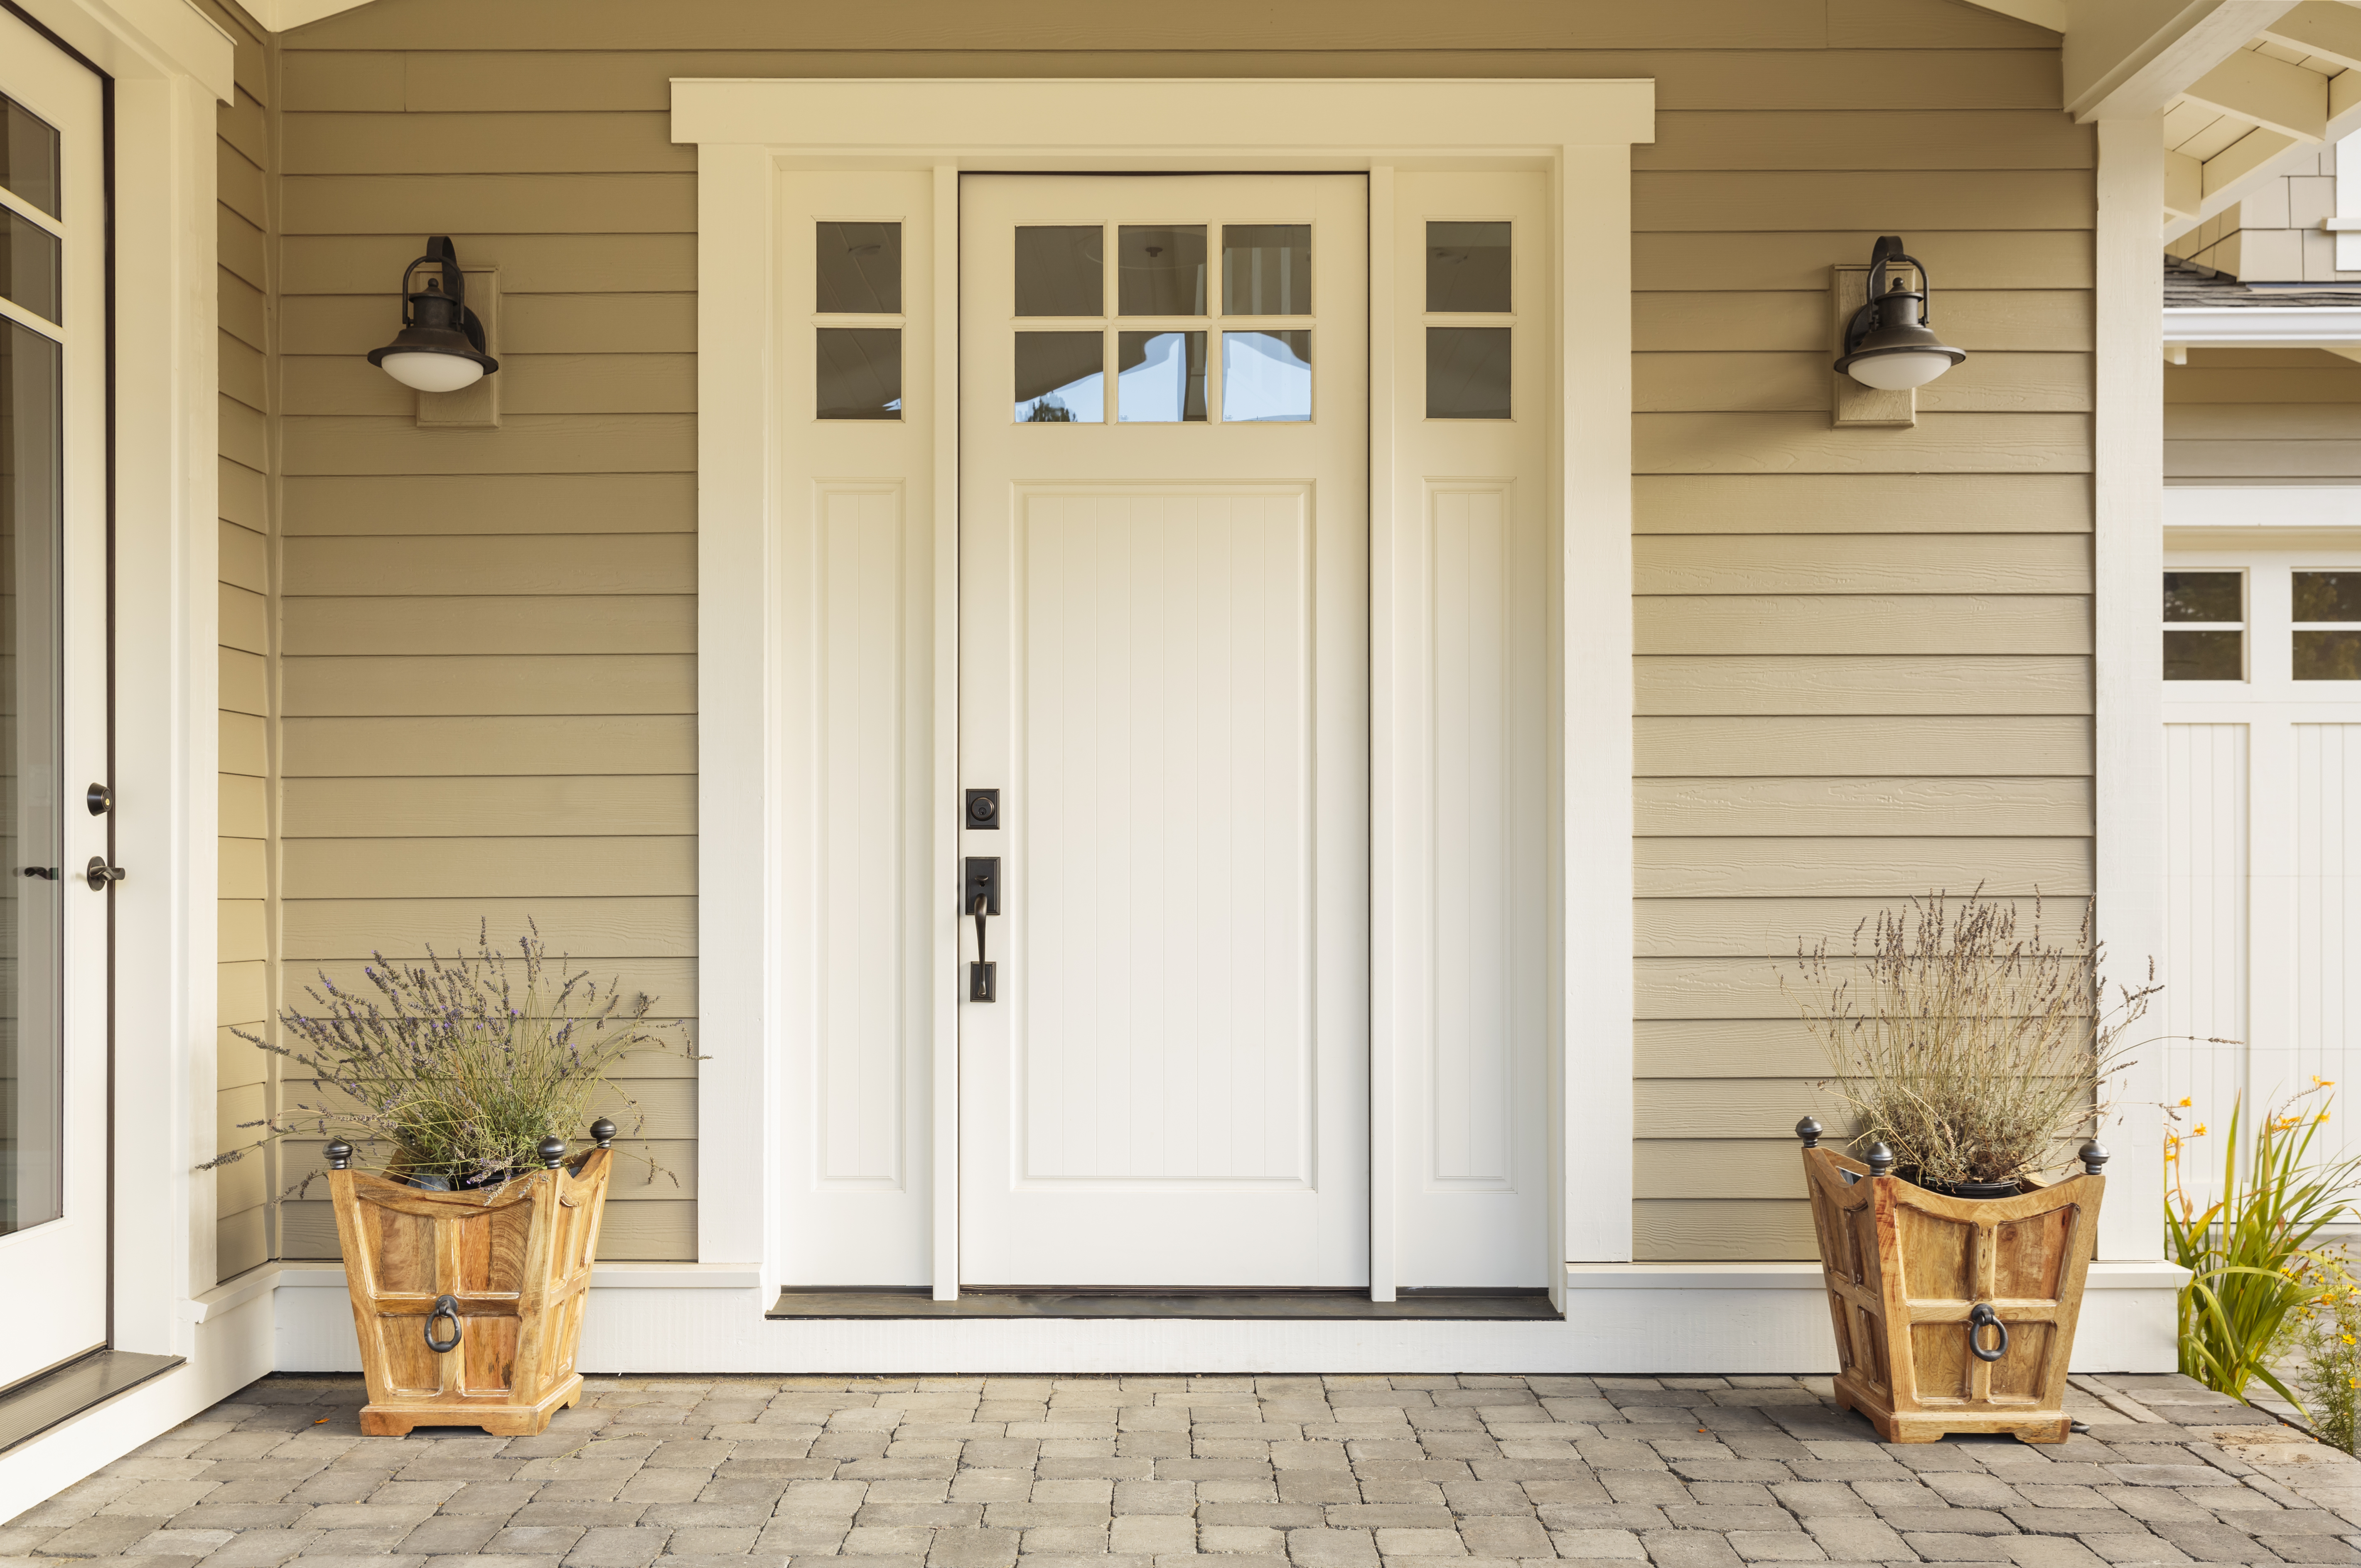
(980, 986)
(98, 874)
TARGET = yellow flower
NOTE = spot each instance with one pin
(2320, 1083)
(2185, 1100)
(2200, 1132)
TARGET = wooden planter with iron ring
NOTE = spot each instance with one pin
(1951, 1314)
(468, 1305)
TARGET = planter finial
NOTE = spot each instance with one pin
(2095, 1157)
(602, 1131)
(1809, 1131)
(551, 1150)
(339, 1153)
(1880, 1158)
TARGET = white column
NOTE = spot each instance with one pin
(2127, 440)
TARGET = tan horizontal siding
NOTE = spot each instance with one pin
(2275, 415)
(1864, 655)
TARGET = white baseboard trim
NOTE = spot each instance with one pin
(1622, 1317)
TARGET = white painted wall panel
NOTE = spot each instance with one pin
(2206, 865)
(857, 1106)
(2327, 886)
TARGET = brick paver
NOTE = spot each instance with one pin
(1296, 1472)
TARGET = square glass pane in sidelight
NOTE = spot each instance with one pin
(1160, 377)
(28, 155)
(1467, 372)
(860, 372)
(1060, 271)
(1267, 269)
(1265, 377)
(2328, 655)
(2328, 596)
(2203, 595)
(1060, 377)
(1467, 267)
(30, 261)
(2204, 656)
(1161, 270)
(858, 268)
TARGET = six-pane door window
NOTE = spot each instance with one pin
(1199, 335)
(2327, 626)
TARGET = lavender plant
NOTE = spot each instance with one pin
(1973, 1048)
(456, 1069)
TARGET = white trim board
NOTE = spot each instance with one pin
(2261, 326)
(1628, 1319)
(758, 896)
(2262, 506)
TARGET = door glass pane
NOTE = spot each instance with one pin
(860, 268)
(2202, 596)
(1060, 377)
(1467, 372)
(2328, 655)
(1061, 271)
(2204, 656)
(1467, 267)
(860, 372)
(1266, 376)
(1160, 377)
(30, 258)
(1267, 269)
(2328, 596)
(1162, 271)
(28, 155)
(32, 1042)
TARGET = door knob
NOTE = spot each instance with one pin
(98, 874)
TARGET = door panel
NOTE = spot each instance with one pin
(1163, 590)
(52, 707)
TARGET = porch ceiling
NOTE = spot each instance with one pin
(2244, 86)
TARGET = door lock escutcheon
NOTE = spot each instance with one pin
(980, 898)
(983, 809)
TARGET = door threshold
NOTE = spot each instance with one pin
(1441, 1306)
(58, 1395)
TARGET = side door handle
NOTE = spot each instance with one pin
(981, 891)
(99, 875)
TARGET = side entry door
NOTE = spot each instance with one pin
(53, 706)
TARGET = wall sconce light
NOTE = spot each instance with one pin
(440, 347)
(1887, 345)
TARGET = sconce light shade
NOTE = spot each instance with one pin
(440, 347)
(1888, 343)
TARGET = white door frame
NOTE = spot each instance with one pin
(754, 892)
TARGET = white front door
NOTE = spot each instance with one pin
(1164, 673)
(53, 1078)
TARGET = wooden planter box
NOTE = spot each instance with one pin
(1913, 1274)
(507, 1270)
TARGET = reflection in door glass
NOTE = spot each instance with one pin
(1267, 269)
(32, 1042)
(1061, 271)
(1265, 377)
(860, 372)
(1060, 377)
(28, 155)
(1160, 377)
(858, 268)
(1467, 372)
(30, 260)
(1467, 267)
(1162, 271)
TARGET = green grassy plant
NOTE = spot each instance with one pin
(2253, 1265)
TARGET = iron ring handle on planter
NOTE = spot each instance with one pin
(448, 1307)
(1979, 1316)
